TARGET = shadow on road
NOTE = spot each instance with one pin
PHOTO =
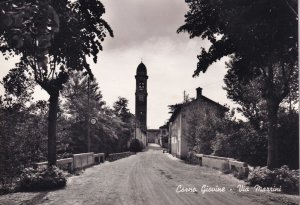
(36, 200)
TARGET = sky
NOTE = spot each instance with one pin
(146, 30)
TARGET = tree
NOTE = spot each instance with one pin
(113, 127)
(174, 107)
(200, 132)
(76, 92)
(288, 132)
(53, 38)
(120, 108)
(83, 101)
(22, 137)
(239, 140)
(201, 126)
(260, 37)
(248, 94)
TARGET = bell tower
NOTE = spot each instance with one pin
(141, 97)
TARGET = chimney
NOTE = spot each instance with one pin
(199, 92)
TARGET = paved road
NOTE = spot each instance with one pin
(147, 178)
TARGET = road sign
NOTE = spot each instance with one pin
(93, 121)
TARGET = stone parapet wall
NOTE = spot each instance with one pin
(66, 164)
(83, 160)
(215, 162)
(98, 158)
(79, 161)
(239, 169)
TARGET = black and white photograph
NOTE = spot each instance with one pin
(149, 102)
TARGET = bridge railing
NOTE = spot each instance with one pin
(78, 161)
(84, 160)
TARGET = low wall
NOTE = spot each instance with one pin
(79, 161)
(239, 169)
(115, 156)
(83, 160)
(98, 158)
(64, 164)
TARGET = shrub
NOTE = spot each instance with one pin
(287, 179)
(42, 179)
(136, 146)
(6, 188)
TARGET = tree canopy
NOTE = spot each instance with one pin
(52, 38)
(261, 39)
(257, 32)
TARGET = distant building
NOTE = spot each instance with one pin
(164, 136)
(178, 123)
(153, 135)
(141, 104)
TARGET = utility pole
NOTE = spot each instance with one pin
(88, 119)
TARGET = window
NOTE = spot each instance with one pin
(141, 116)
(141, 86)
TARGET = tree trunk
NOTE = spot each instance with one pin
(52, 118)
(273, 142)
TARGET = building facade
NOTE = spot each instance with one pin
(153, 135)
(202, 110)
(141, 104)
(164, 136)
